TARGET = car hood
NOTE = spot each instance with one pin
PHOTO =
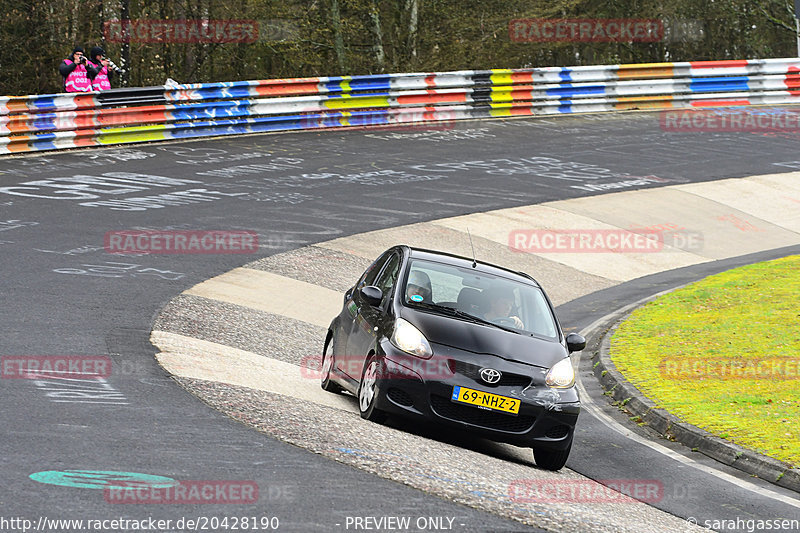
(479, 338)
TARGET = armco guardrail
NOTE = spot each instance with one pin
(57, 121)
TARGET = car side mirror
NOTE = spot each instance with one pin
(575, 342)
(372, 295)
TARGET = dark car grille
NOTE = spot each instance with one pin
(506, 380)
(557, 432)
(400, 397)
(480, 417)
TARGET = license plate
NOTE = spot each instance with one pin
(485, 400)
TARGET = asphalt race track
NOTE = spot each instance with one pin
(64, 295)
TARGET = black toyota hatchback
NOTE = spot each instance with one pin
(460, 342)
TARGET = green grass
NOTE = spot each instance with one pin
(739, 317)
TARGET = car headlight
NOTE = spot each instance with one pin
(410, 339)
(562, 375)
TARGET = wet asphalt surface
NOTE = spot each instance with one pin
(62, 294)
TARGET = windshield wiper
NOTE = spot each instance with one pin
(461, 314)
(480, 320)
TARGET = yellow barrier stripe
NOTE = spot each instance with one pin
(503, 78)
(355, 102)
(156, 132)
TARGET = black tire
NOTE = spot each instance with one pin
(549, 459)
(368, 391)
(328, 358)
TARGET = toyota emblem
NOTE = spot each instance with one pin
(490, 375)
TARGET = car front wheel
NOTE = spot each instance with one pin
(549, 459)
(368, 391)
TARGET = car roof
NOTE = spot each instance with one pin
(457, 260)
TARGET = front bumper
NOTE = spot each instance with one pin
(416, 387)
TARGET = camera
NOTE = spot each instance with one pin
(114, 67)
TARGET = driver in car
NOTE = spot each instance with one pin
(418, 288)
(500, 303)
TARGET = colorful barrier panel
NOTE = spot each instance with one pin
(58, 121)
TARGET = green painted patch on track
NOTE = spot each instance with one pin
(723, 354)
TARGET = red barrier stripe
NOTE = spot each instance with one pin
(85, 100)
(19, 126)
(86, 139)
(719, 64)
(432, 98)
(14, 106)
(792, 81)
(521, 77)
(119, 117)
(519, 111)
(523, 94)
(718, 103)
(139, 115)
(18, 143)
(91, 118)
(286, 89)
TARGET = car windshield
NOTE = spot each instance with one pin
(499, 300)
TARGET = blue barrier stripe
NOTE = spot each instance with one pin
(42, 145)
(43, 102)
(45, 123)
(575, 91)
(719, 84)
(226, 92)
(327, 119)
(371, 86)
(332, 86)
(359, 95)
(209, 112)
(42, 137)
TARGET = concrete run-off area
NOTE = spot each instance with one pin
(239, 340)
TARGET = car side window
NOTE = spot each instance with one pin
(368, 278)
(388, 276)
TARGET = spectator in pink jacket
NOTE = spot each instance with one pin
(75, 71)
(101, 69)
